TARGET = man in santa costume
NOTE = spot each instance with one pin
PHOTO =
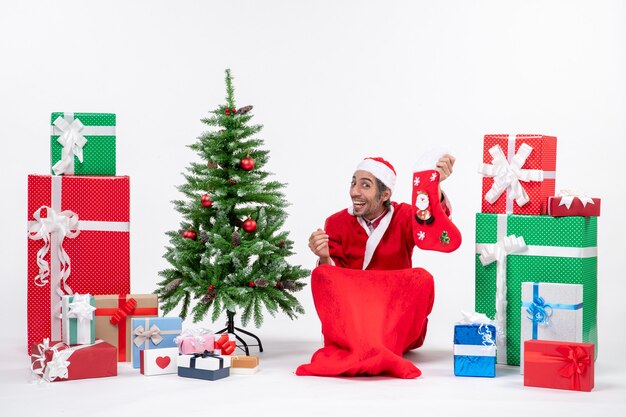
(375, 233)
(372, 304)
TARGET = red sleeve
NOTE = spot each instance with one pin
(335, 248)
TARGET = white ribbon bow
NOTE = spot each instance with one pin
(474, 318)
(57, 367)
(568, 196)
(64, 224)
(141, 335)
(80, 308)
(72, 141)
(483, 321)
(498, 253)
(508, 174)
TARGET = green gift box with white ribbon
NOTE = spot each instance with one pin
(79, 326)
(82, 143)
(511, 249)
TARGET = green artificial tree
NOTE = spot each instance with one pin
(230, 254)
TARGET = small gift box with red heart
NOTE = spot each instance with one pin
(556, 364)
(225, 344)
(571, 203)
(195, 341)
(158, 361)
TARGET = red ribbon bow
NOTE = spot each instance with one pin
(226, 345)
(577, 362)
(123, 312)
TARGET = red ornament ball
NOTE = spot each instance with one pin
(249, 225)
(206, 201)
(190, 234)
(251, 284)
(211, 287)
(278, 284)
(247, 163)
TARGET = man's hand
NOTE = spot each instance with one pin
(444, 166)
(318, 243)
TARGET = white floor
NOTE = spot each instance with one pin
(277, 391)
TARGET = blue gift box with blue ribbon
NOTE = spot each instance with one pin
(475, 350)
(551, 311)
(153, 333)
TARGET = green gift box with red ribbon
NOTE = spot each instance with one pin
(82, 143)
(113, 319)
(511, 249)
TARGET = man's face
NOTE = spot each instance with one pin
(363, 190)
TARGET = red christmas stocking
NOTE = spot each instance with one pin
(432, 228)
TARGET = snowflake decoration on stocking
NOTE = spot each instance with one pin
(416, 182)
(433, 177)
(421, 235)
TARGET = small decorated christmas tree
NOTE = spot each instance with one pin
(230, 254)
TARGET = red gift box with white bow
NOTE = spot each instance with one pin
(56, 361)
(559, 364)
(571, 203)
(519, 173)
(78, 242)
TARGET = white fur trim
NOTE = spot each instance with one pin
(376, 236)
(380, 171)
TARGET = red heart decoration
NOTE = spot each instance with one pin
(163, 361)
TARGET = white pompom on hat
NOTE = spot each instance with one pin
(379, 168)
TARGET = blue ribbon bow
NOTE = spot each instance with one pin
(539, 312)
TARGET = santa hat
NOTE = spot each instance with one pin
(379, 168)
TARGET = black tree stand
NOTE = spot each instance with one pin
(230, 328)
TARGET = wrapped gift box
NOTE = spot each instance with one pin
(560, 250)
(205, 365)
(244, 365)
(557, 364)
(505, 182)
(55, 361)
(82, 143)
(154, 333)
(551, 312)
(560, 206)
(475, 350)
(94, 214)
(113, 316)
(195, 341)
(158, 361)
(78, 321)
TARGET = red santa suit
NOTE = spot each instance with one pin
(389, 246)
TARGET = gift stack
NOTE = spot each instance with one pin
(536, 257)
(79, 307)
(204, 355)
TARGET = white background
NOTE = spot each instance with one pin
(332, 82)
